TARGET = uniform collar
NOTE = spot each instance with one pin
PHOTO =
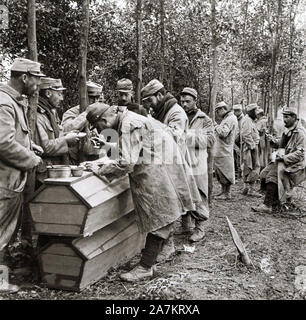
(14, 94)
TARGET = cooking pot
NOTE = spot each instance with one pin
(59, 171)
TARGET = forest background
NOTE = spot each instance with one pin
(259, 56)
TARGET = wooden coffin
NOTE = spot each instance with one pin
(73, 264)
(79, 206)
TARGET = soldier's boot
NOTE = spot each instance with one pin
(167, 250)
(227, 193)
(223, 188)
(252, 192)
(245, 190)
(137, 274)
(187, 225)
(5, 286)
(198, 233)
(262, 208)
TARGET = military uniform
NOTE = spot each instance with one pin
(226, 133)
(16, 157)
(249, 151)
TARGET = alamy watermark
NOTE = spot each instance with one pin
(4, 17)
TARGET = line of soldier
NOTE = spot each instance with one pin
(162, 193)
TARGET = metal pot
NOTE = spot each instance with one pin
(59, 171)
(77, 171)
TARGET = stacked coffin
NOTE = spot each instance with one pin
(87, 226)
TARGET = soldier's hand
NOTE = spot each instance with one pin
(37, 149)
(97, 141)
(72, 138)
(270, 137)
(93, 167)
(37, 161)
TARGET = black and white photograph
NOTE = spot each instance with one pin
(152, 153)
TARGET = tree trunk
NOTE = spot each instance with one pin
(83, 98)
(25, 221)
(139, 49)
(213, 93)
(162, 40)
(275, 51)
(32, 54)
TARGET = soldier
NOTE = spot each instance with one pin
(287, 170)
(237, 108)
(126, 97)
(262, 127)
(16, 156)
(158, 179)
(49, 133)
(74, 120)
(249, 151)
(200, 139)
(175, 121)
(226, 133)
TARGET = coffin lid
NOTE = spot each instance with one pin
(91, 189)
(101, 240)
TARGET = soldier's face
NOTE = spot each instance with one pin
(220, 112)
(152, 101)
(289, 120)
(124, 98)
(55, 98)
(31, 85)
(108, 121)
(237, 113)
(92, 99)
(188, 102)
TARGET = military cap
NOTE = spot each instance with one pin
(93, 89)
(96, 111)
(124, 85)
(259, 110)
(51, 83)
(221, 104)
(237, 107)
(190, 91)
(251, 107)
(151, 88)
(290, 110)
(27, 66)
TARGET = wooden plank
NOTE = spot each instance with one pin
(61, 249)
(108, 212)
(97, 268)
(99, 191)
(68, 181)
(56, 194)
(121, 236)
(64, 265)
(60, 282)
(93, 185)
(88, 245)
(57, 229)
(58, 213)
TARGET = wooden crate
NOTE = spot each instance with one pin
(77, 207)
(73, 264)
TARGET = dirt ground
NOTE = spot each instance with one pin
(276, 244)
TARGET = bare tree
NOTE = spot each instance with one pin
(139, 49)
(84, 30)
(213, 92)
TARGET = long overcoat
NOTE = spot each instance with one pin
(249, 138)
(157, 170)
(224, 151)
(55, 148)
(16, 158)
(200, 137)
